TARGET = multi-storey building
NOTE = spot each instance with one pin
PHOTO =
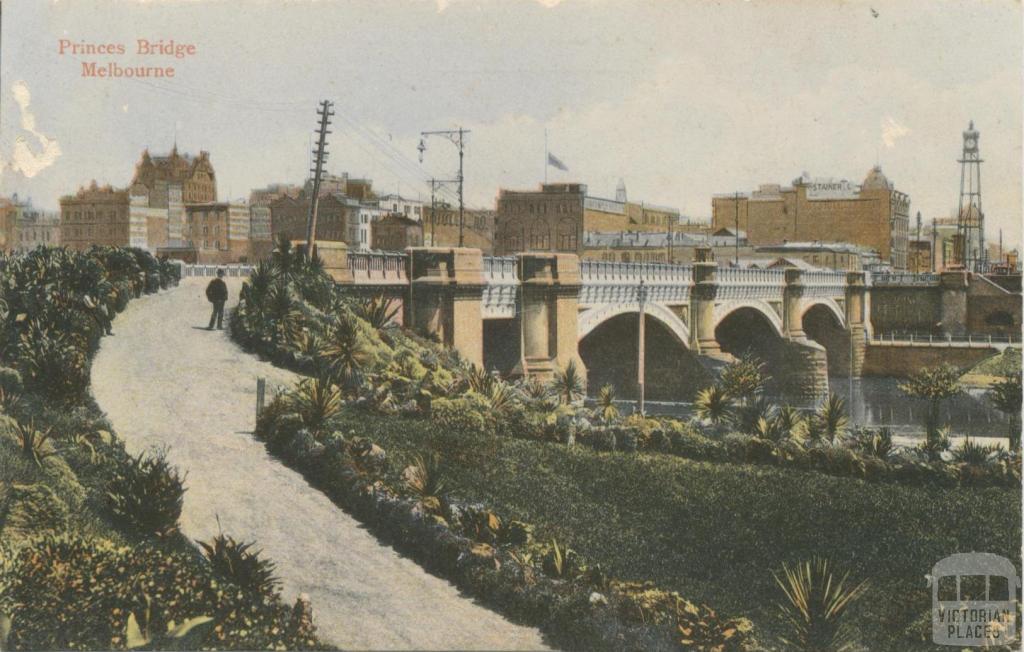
(556, 217)
(874, 214)
(288, 217)
(260, 232)
(99, 215)
(441, 227)
(396, 204)
(157, 174)
(218, 232)
(26, 227)
(395, 232)
(828, 255)
(6, 223)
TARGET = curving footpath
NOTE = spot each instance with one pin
(164, 381)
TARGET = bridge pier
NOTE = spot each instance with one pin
(446, 288)
(802, 363)
(856, 318)
(549, 306)
(953, 303)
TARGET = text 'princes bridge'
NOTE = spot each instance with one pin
(535, 312)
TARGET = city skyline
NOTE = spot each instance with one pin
(679, 132)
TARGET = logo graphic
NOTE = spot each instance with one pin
(974, 600)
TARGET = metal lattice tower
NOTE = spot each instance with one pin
(970, 230)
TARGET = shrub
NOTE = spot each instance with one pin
(30, 510)
(425, 479)
(701, 629)
(603, 439)
(713, 406)
(146, 494)
(316, 400)
(467, 413)
(876, 443)
(973, 453)
(239, 564)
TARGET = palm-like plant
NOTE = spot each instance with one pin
(831, 418)
(534, 392)
(1005, 395)
(501, 397)
(749, 415)
(239, 564)
(877, 443)
(935, 385)
(344, 355)
(569, 384)
(378, 310)
(317, 400)
(713, 406)
(816, 601)
(973, 453)
(605, 409)
(792, 422)
(34, 443)
(744, 379)
(425, 477)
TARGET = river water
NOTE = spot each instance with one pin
(877, 402)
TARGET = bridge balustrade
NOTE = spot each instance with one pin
(750, 283)
(824, 283)
(903, 279)
(231, 271)
(378, 268)
(501, 275)
(605, 282)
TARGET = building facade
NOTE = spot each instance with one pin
(873, 215)
(98, 215)
(24, 227)
(396, 204)
(156, 175)
(395, 232)
(288, 217)
(827, 255)
(441, 228)
(260, 232)
(218, 232)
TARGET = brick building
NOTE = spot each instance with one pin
(555, 218)
(24, 227)
(873, 215)
(218, 232)
(288, 216)
(395, 232)
(260, 232)
(157, 174)
(441, 228)
(100, 215)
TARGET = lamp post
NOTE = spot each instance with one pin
(641, 345)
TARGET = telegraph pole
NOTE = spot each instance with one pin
(641, 346)
(319, 155)
(933, 245)
(458, 138)
(917, 254)
(736, 228)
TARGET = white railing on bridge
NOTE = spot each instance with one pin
(231, 271)
(605, 282)
(501, 278)
(824, 283)
(750, 283)
(902, 338)
(501, 270)
(904, 279)
(378, 267)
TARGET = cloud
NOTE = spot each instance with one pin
(892, 131)
(24, 159)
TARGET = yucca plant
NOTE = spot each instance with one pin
(378, 310)
(146, 494)
(555, 562)
(344, 355)
(754, 411)
(569, 384)
(831, 417)
(877, 443)
(816, 600)
(535, 393)
(769, 428)
(478, 379)
(34, 443)
(8, 400)
(502, 397)
(317, 400)
(605, 410)
(792, 422)
(973, 453)
(239, 564)
(425, 478)
(713, 406)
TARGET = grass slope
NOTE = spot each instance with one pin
(717, 531)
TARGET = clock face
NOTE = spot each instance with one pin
(970, 143)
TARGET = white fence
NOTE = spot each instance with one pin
(378, 268)
(231, 271)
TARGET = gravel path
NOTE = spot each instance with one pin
(163, 381)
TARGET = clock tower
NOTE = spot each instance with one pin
(970, 231)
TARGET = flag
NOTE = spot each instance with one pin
(555, 163)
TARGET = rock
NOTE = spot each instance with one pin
(598, 600)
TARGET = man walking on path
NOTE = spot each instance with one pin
(217, 294)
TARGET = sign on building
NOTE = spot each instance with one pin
(831, 189)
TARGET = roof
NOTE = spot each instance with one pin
(834, 247)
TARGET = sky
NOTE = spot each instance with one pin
(681, 99)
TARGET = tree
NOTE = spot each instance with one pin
(1006, 397)
(935, 385)
(606, 410)
(744, 379)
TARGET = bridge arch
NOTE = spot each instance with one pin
(824, 323)
(827, 303)
(723, 310)
(607, 345)
(594, 317)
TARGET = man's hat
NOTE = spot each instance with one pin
(220, 272)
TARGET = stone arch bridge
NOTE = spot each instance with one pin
(533, 313)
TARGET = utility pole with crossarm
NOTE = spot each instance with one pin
(319, 156)
(458, 138)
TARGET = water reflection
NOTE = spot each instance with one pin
(877, 402)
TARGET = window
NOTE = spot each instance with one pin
(540, 235)
(567, 240)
